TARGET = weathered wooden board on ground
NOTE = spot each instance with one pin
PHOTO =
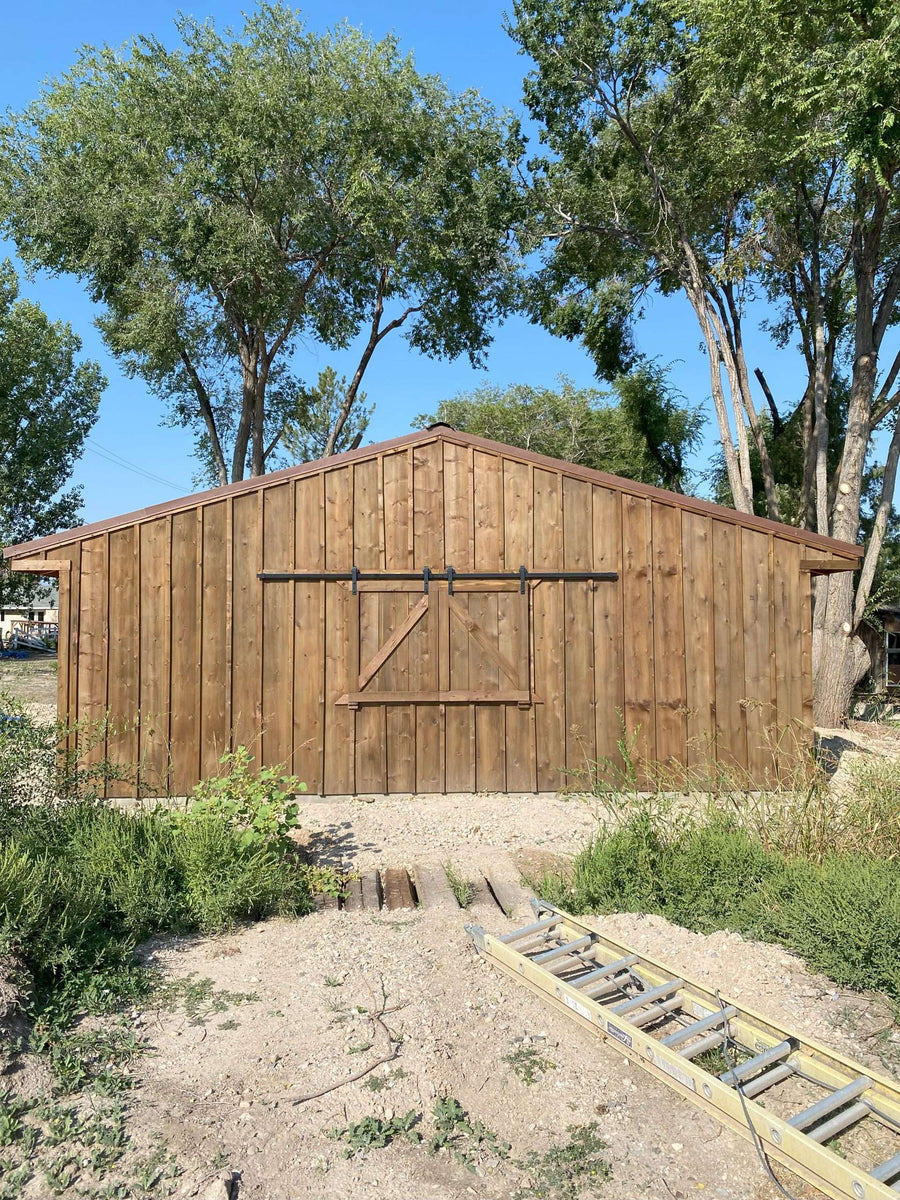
(397, 889)
(432, 887)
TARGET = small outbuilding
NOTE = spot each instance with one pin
(436, 613)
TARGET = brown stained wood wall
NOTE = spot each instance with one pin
(702, 646)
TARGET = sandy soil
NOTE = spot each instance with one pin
(32, 680)
(399, 831)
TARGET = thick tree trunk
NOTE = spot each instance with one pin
(840, 658)
(841, 661)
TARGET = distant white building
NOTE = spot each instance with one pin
(40, 618)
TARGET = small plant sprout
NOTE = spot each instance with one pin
(461, 887)
(528, 1063)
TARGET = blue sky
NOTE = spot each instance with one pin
(465, 43)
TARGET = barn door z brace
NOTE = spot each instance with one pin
(830, 1121)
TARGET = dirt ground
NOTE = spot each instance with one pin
(223, 1090)
(31, 679)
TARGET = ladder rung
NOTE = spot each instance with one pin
(773, 1054)
(582, 957)
(604, 988)
(528, 930)
(815, 1112)
(887, 1170)
(701, 1026)
(716, 1038)
(840, 1122)
(767, 1079)
(612, 968)
(648, 997)
(656, 1011)
(559, 951)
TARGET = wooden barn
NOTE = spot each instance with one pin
(436, 613)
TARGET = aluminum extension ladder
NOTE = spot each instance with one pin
(817, 1103)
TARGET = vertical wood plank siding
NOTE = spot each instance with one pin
(701, 650)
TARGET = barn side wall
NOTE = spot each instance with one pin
(701, 648)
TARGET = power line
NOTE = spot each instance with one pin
(117, 460)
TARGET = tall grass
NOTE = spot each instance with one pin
(806, 864)
(799, 812)
(841, 915)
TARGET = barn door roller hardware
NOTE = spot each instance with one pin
(667, 1024)
(450, 575)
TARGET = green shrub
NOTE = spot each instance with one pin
(226, 879)
(842, 917)
(81, 885)
(260, 804)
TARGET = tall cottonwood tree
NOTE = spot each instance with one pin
(240, 196)
(734, 151)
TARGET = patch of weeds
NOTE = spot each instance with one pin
(331, 981)
(82, 1058)
(12, 1112)
(13, 1179)
(360, 1049)
(528, 1063)
(327, 881)
(373, 1133)
(155, 1172)
(199, 998)
(464, 1138)
(340, 1014)
(377, 1083)
(229, 1024)
(63, 1124)
(712, 1060)
(84, 1146)
(60, 1173)
(567, 1172)
(461, 887)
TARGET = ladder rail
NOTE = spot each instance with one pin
(828, 1068)
(780, 1055)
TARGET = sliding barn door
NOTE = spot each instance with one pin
(427, 679)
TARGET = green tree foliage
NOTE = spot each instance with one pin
(231, 200)
(736, 152)
(48, 404)
(308, 431)
(638, 430)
